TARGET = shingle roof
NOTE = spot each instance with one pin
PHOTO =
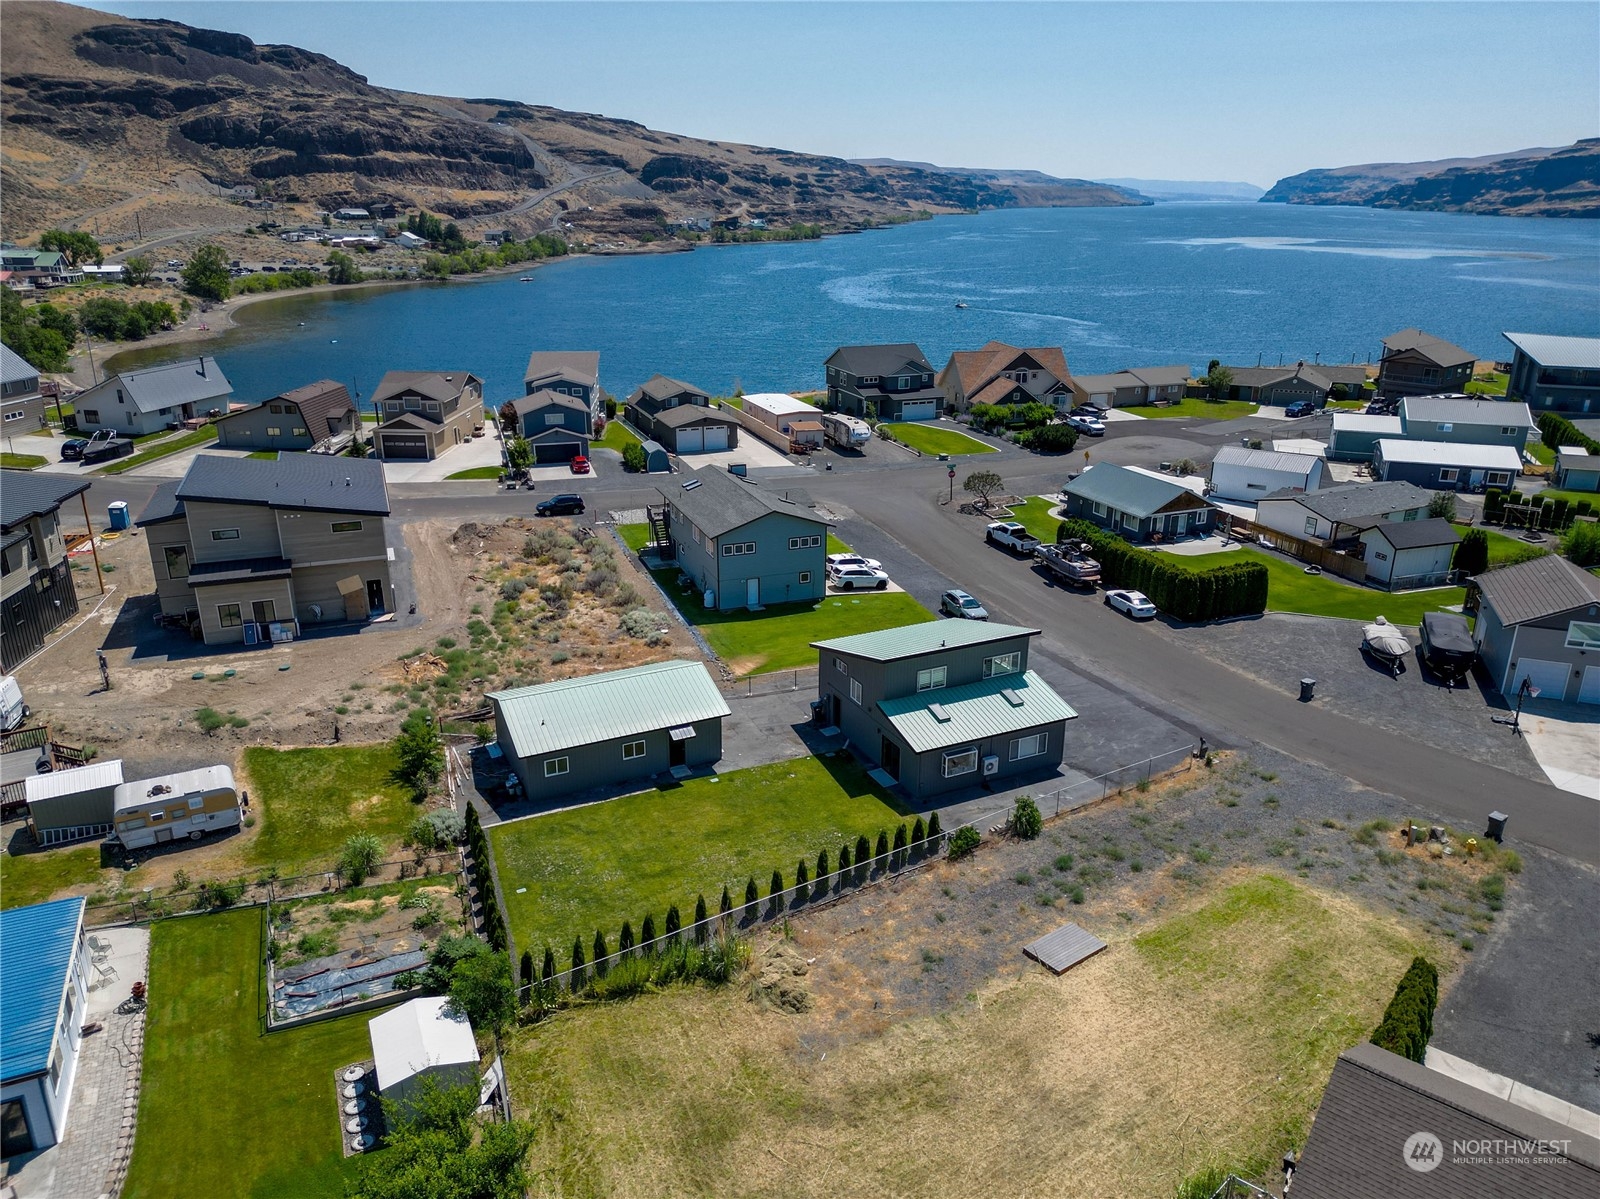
(723, 502)
(14, 368)
(1238, 455)
(24, 494)
(40, 942)
(317, 482)
(974, 711)
(1416, 534)
(979, 370)
(661, 387)
(1536, 589)
(1436, 409)
(1351, 501)
(1159, 376)
(434, 385)
(191, 381)
(605, 707)
(1264, 376)
(688, 414)
(164, 505)
(1435, 349)
(910, 640)
(878, 360)
(1549, 350)
(1376, 1100)
(1109, 382)
(545, 398)
(1139, 495)
(580, 366)
(1451, 453)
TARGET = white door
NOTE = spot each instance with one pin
(752, 593)
(917, 410)
(691, 441)
(716, 437)
(1589, 692)
(1549, 677)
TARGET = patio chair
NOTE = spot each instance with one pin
(103, 974)
(100, 949)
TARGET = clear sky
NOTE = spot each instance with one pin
(1235, 91)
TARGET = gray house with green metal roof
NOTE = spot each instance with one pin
(944, 705)
(1137, 506)
(603, 729)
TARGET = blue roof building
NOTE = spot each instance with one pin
(43, 995)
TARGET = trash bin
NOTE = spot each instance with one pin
(1308, 689)
(1497, 827)
(118, 511)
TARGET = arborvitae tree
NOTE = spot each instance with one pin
(700, 921)
(647, 934)
(844, 863)
(899, 846)
(821, 888)
(752, 894)
(883, 844)
(674, 921)
(801, 878)
(863, 852)
(549, 971)
(526, 971)
(625, 941)
(933, 825)
(601, 953)
(577, 962)
(727, 902)
(775, 894)
(919, 832)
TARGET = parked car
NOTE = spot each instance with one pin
(580, 465)
(859, 578)
(1093, 426)
(72, 449)
(1301, 408)
(1131, 603)
(838, 560)
(560, 505)
(958, 603)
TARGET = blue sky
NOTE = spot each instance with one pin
(1250, 91)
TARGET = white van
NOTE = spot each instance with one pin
(12, 710)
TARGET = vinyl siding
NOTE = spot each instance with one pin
(308, 538)
(209, 599)
(602, 764)
(248, 430)
(318, 585)
(773, 563)
(176, 596)
(258, 531)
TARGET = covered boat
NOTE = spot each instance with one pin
(1447, 646)
(1387, 644)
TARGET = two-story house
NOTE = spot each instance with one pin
(318, 416)
(943, 705)
(1136, 385)
(147, 401)
(1554, 374)
(1457, 420)
(680, 417)
(745, 545)
(891, 383)
(37, 594)
(426, 413)
(41, 268)
(1137, 505)
(1415, 363)
(21, 404)
(1537, 623)
(566, 372)
(556, 426)
(252, 548)
(1003, 374)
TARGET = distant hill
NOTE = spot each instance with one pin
(1024, 189)
(1188, 189)
(1542, 181)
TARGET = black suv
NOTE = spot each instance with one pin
(560, 505)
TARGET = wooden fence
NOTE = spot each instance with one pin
(1312, 552)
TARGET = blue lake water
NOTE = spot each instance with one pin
(1117, 287)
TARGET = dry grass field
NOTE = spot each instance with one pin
(1203, 1036)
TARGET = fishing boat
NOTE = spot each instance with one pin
(524, 278)
(961, 303)
(1387, 644)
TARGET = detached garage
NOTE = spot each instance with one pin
(691, 429)
(1538, 622)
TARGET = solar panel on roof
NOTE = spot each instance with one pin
(690, 484)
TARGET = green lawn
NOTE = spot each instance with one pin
(266, 455)
(931, 440)
(1290, 589)
(780, 637)
(835, 546)
(1508, 551)
(35, 877)
(1347, 405)
(476, 472)
(22, 461)
(635, 537)
(1192, 409)
(310, 800)
(225, 1109)
(1492, 383)
(1573, 497)
(164, 449)
(617, 436)
(596, 866)
(1034, 515)
(1542, 453)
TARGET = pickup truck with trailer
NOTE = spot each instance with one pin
(1010, 535)
(1069, 563)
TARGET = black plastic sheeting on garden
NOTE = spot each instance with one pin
(320, 985)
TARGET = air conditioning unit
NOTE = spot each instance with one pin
(991, 765)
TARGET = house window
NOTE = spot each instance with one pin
(931, 679)
(1412, 514)
(695, 533)
(805, 576)
(224, 534)
(555, 767)
(1497, 478)
(55, 1068)
(1508, 431)
(177, 561)
(865, 379)
(855, 690)
(90, 416)
(298, 431)
(275, 409)
(1029, 747)
(1448, 474)
(274, 431)
(552, 418)
(431, 407)
(1583, 635)
(413, 403)
(1311, 526)
(1380, 555)
(1098, 508)
(1445, 427)
(839, 665)
(1255, 486)
(1002, 664)
(632, 750)
(732, 548)
(960, 761)
(346, 526)
(17, 415)
(805, 543)
(228, 616)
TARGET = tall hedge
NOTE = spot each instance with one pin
(1556, 431)
(494, 925)
(1230, 587)
(1407, 1022)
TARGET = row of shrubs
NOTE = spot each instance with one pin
(1556, 431)
(1552, 515)
(1230, 588)
(494, 924)
(1407, 1022)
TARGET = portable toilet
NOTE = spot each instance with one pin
(118, 511)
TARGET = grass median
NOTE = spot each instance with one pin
(23, 461)
(1192, 409)
(163, 449)
(933, 440)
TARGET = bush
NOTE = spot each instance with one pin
(578, 972)
(1443, 505)
(726, 904)
(919, 832)
(547, 972)
(1049, 439)
(1191, 595)
(801, 878)
(752, 894)
(1556, 431)
(700, 918)
(963, 841)
(1027, 821)
(674, 921)
(641, 623)
(1472, 555)
(219, 895)
(1494, 506)
(820, 891)
(526, 971)
(899, 854)
(209, 720)
(360, 857)
(1582, 543)
(1407, 1023)
(634, 458)
(863, 852)
(601, 953)
(844, 861)
(775, 894)
(647, 934)
(933, 826)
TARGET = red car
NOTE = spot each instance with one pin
(580, 465)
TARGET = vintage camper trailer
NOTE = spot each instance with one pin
(175, 806)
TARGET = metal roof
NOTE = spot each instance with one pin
(238, 570)
(1237, 455)
(1063, 949)
(1536, 589)
(73, 781)
(1360, 422)
(185, 782)
(41, 942)
(606, 707)
(1451, 453)
(1130, 491)
(723, 501)
(417, 1036)
(25, 494)
(779, 404)
(1435, 349)
(164, 505)
(317, 482)
(1007, 703)
(879, 360)
(1465, 410)
(189, 381)
(580, 366)
(1549, 350)
(930, 636)
(1416, 534)
(14, 368)
(1352, 501)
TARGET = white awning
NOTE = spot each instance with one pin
(682, 733)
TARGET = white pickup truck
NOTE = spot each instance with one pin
(1009, 535)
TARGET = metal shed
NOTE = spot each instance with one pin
(420, 1039)
(657, 460)
(70, 805)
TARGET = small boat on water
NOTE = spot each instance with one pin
(524, 278)
(1387, 644)
(961, 303)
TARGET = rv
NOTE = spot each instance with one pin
(190, 804)
(12, 709)
(846, 432)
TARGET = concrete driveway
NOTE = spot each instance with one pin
(480, 451)
(174, 466)
(751, 451)
(1565, 740)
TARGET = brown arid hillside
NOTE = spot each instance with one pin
(139, 130)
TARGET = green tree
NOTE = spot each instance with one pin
(1582, 543)
(1218, 380)
(700, 918)
(360, 857)
(752, 894)
(844, 862)
(519, 453)
(821, 888)
(634, 458)
(342, 268)
(481, 990)
(138, 270)
(42, 335)
(899, 855)
(547, 972)
(601, 953)
(1027, 821)
(76, 246)
(420, 752)
(933, 826)
(439, 1147)
(863, 852)
(882, 850)
(963, 841)
(919, 832)
(726, 905)
(625, 939)
(775, 894)
(104, 317)
(674, 921)
(1443, 505)
(647, 933)
(577, 962)
(983, 484)
(1472, 555)
(206, 274)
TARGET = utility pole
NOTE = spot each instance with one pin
(99, 575)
